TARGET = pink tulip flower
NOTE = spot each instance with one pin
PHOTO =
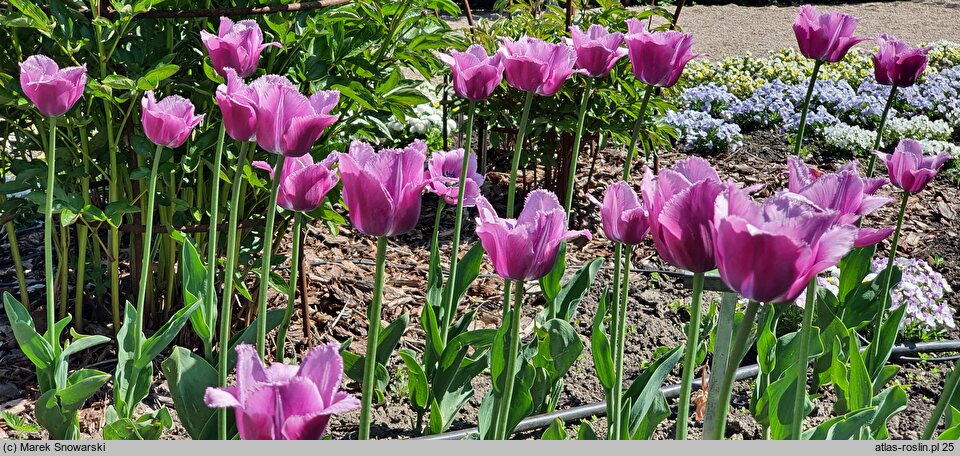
(168, 122)
(52, 90)
(289, 123)
(475, 74)
(597, 50)
(624, 216)
(846, 192)
(769, 252)
(383, 190)
(285, 402)
(896, 63)
(681, 204)
(909, 169)
(533, 65)
(658, 58)
(825, 37)
(525, 248)
(303, 183)
(236, 45)
(444, 169)
(238, 104)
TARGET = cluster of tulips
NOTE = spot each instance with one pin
(768, 251)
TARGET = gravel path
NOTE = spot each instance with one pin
(730, 29)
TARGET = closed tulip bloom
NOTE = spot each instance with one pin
(383, 190)
(533, 65)
(597, 50)
(909, 169)
(525, 248)
(658, 58)
(681, 204)
(825, 37)
(475, 74)
(303, 184)
(624, 216)
(168, 122)
(236, 45)
(53, 90)
(769, 252)
(847, 193)
(289, 123)
(896, 63)
(238, 104)
(285, 402)
(444, 169)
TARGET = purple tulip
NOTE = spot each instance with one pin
(909, 169)
(236, 45)
(168, 122)
(238, 104)
(846, 192)
(533, 65)
(825, 37)
(624, 216)
(289, 123)
(896, 63)
(475, 74)
(285, 402)
(597, 50)
(444, 169)
(525, 248)
(658, 58)
(770, 252)
(383, 190)
(681, 204)
(52, 90)
(303, 184)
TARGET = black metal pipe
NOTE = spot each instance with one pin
(673, 391)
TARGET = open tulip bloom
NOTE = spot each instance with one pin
(444, 171)
(285, 402)
(236, 45)
(303, 184)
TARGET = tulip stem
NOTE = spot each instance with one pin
(292, 291)
(226, 307)
(620, 342)
(267, 254)
(724, 388)
(373, 336)
(575, 153)
(628, 163)
(517, 149)
(885, 291)
(796, 427)
(211, 298)
(879, 139)
(146, 254)
(689, 357)
(798, 144)
(435, 250)
(503, 414)
(946, 396)
(721, 355)
(450, 301)
(48, 233)
(613, 411)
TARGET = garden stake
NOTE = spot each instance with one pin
(721, 355)
(226, 303)
(48, 233)
(572, 172)
(798, 145)
(946, 396)
(883, 120)
(724, 389)
(373, 336)
(265, 267)
(875, 344)
(449, 300)
(689, 357)
(292, 295)
(211, 297)
(806, 328)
